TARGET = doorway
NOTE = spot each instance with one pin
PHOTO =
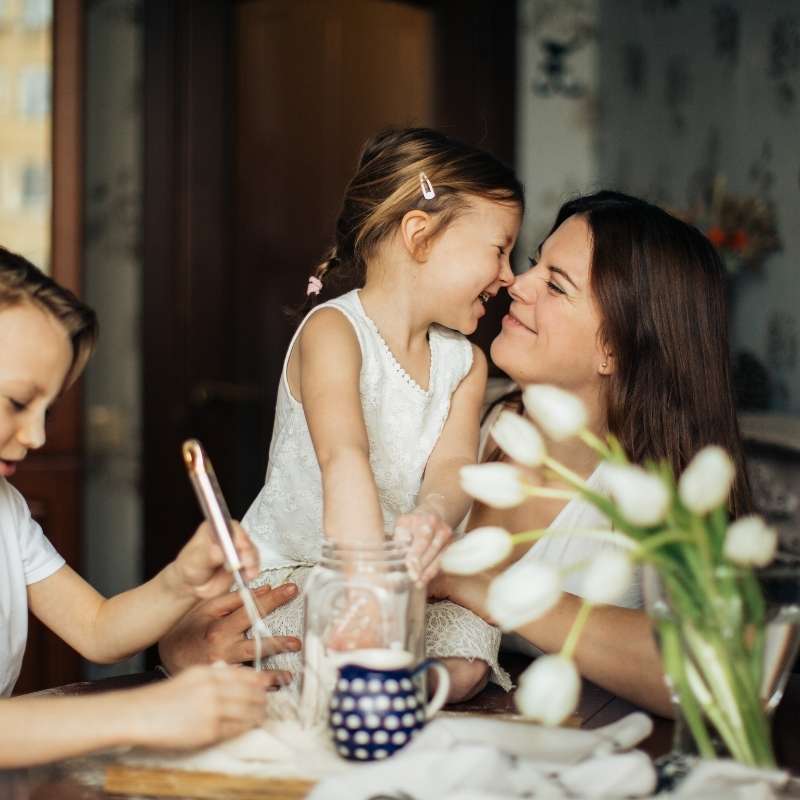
(254, 115)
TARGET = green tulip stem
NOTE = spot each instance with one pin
(529, 536)
(658, 540)
(613, 537)
(556, 494)
(672, 655)
(701, 539)
(571, 642)
(597, 444)
(568, 475)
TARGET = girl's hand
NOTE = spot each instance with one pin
(199, 569)
(428, 534)
(199, 707)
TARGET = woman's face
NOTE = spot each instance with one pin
(550, 334)
(35, 356)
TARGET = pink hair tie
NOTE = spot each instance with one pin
(314, 285)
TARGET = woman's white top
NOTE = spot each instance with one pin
(26, 556)
(565, 547)
(403, 423)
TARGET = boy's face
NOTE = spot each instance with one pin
(35, 357)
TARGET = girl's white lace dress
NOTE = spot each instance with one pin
(403, 423)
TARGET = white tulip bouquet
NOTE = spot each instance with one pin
(711, 639)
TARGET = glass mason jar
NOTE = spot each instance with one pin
(360, 602)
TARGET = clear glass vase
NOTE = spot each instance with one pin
(726, 659)
(358, 598)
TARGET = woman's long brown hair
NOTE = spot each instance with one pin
(660, 291)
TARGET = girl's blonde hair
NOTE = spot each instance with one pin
(21, 282)
(387, 185)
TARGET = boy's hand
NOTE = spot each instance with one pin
(427, 534)
(199, 569)
(201, 706)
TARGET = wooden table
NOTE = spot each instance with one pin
(597, 707)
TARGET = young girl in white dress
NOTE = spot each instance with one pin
(46, 337)
(379, 399)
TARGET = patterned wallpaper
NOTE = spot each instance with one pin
(693, 91)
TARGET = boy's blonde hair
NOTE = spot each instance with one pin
(387, 185)
(21, 282)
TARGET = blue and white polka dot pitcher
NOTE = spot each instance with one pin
(375, 711)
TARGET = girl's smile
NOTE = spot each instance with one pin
(7, 467)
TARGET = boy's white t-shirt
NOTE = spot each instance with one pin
(26, 557)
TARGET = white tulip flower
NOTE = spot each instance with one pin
(549, 689)
(706, 482)
(519, 439)
(560, 413)
(750, 542)
(607, 577)
(523, 593)
(643, 498)
(497, 485)
(480, 549)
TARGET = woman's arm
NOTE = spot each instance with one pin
(330, 369)
(107, 630)
(616, 649)
(201, 706)
(442, 503)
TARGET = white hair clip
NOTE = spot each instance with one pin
(314, 285)
(426, 186)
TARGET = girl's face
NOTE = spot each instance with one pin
(469, 262)
(35, 356)
(550, 334)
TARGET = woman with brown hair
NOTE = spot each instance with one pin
(624, 306)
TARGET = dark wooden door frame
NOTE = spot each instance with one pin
(187, 216)
(186, 230)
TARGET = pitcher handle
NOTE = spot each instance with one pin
(437, 701)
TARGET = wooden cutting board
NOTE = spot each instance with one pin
(123, 779)
(130, 780)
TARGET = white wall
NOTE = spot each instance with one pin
(693, 90)
(556, 134)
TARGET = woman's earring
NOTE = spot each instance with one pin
(604, 365)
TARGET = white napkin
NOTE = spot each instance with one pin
(470, 758)
(723, 779)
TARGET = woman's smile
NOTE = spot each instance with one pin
(511, 320)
